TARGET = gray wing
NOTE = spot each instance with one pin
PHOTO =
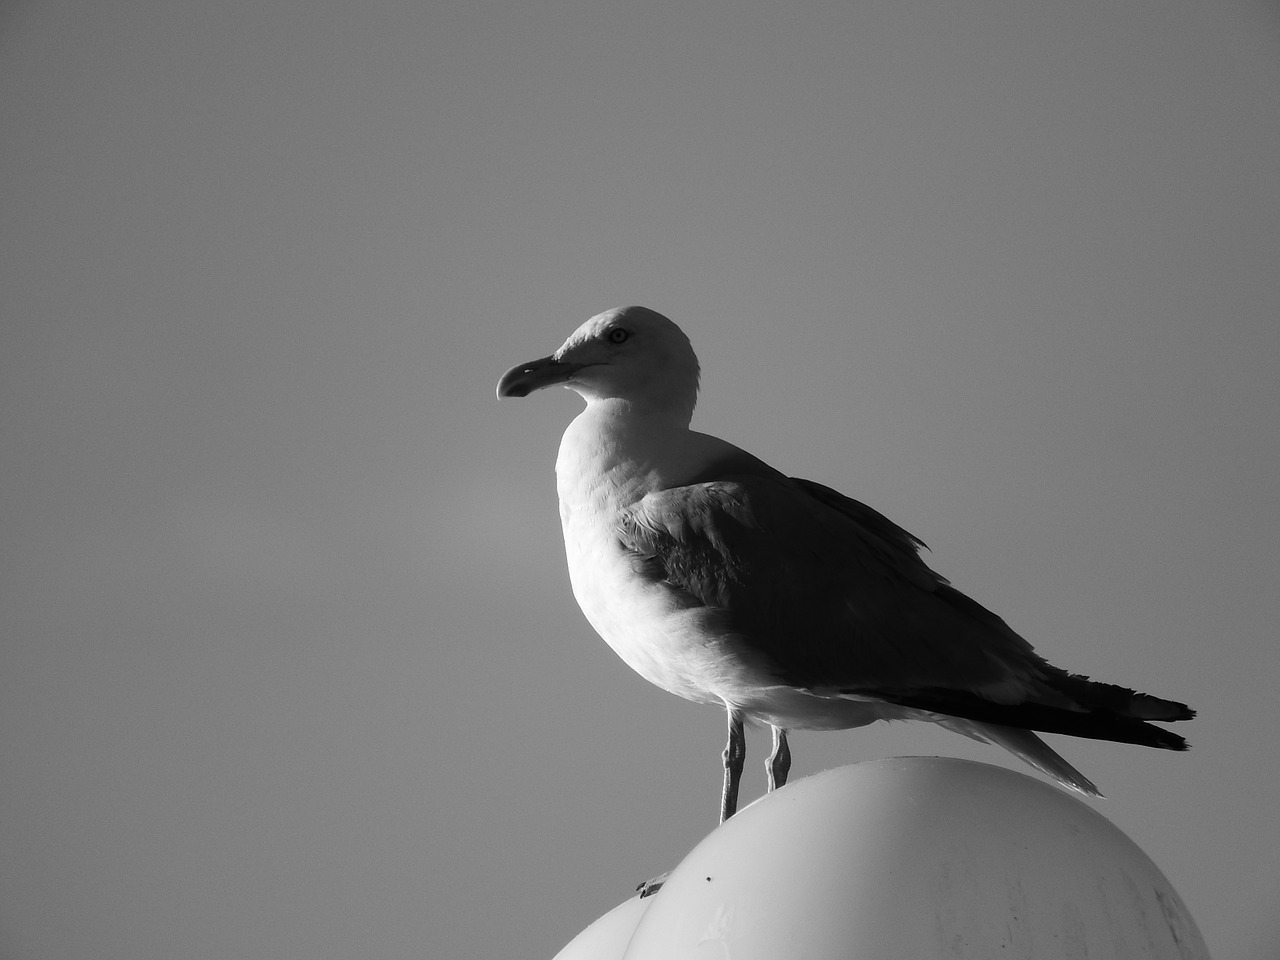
(837, 599)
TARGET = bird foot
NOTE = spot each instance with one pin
(650, 887)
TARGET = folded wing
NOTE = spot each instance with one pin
(836, 598)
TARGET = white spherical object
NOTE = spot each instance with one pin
(608, 937)
(912, 858)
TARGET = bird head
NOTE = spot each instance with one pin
(631, 354)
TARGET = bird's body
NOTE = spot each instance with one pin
(721, 580)
(686, 647)
(672, 644)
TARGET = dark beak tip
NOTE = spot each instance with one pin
(522, 380)
(512, 390)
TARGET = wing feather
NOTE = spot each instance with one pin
(837, 600)
(832, 593)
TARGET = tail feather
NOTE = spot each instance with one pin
(1026, 746)
(1118, 700)
(1090, 720)
(1065, 703)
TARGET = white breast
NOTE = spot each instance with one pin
(636, 617)
(601, 472)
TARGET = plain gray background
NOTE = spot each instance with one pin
(290, 664)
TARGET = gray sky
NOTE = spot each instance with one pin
(290, 664)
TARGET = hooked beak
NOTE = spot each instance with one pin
(522, 380)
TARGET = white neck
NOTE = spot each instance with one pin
(612, 454)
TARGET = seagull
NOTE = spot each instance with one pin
(722, 580)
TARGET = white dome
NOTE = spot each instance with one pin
(912, 858)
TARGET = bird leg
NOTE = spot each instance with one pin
(735, 753)
(779, 759)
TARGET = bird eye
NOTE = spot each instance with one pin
(618, 335)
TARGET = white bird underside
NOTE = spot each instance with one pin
(721, 580)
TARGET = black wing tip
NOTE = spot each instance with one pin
(1164, 740)
(1100, 723)
(1120, 701)
(1130, 703)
